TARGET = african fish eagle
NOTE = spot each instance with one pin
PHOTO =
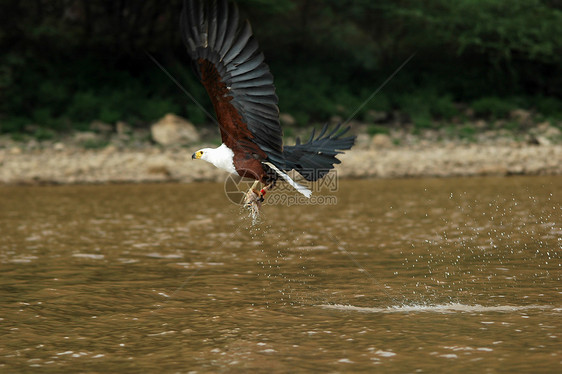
(227, 59)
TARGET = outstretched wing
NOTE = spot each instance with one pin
(315, 158)
(239, 83)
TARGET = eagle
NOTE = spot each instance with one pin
(227, 59)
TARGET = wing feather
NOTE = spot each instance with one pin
(257, 91)
(256, 73)
(230, 29)
(222, 21)
(241, 41)
(249, 50)
(247, 65)
(264, 80)
(195, 32)
(212, 14)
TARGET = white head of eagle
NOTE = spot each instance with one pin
(222, 157)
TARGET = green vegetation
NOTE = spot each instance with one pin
(69, 62)
(467, 132)
(43, 134)
(492, 107)
(376, 129)
(95, 144)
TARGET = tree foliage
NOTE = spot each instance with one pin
(65, 63)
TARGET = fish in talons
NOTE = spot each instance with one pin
(254, 198)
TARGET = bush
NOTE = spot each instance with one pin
(376, 129)
(423, 122)
(548, 106)
(442, 107)
(492, 107)
(85, 106)
(95, 143)
(512, 125)
(13, 125)
(18, 137)
(417, 107)
(154, 109)
(467, 132)
(195, 114)
(44, 134)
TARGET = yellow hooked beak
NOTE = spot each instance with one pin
(196, 155)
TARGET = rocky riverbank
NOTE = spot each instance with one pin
(135, 157)
(48, 166)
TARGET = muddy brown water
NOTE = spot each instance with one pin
(424, 275)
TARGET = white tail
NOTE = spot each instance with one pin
(302, 189)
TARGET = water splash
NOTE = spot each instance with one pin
(439, 308)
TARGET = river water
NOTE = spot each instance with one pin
(424, 275)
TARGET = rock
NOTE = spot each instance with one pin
(543, 140)
(456, 120)
(548, 130)
(381, 141)
(15, 151)
(172, 130)
(495, 170)
(32, 144)
(159, 169)
(541, 127)
(363, 141)
(101, 127)
(287, 120)
(400, 118)
(31, 127)
(334, 120)
(85, 136)
(481, 124)
(522, 116)
(109, 149)
(123, 128)
(58, 146)
(340, 108)
(376, 116)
